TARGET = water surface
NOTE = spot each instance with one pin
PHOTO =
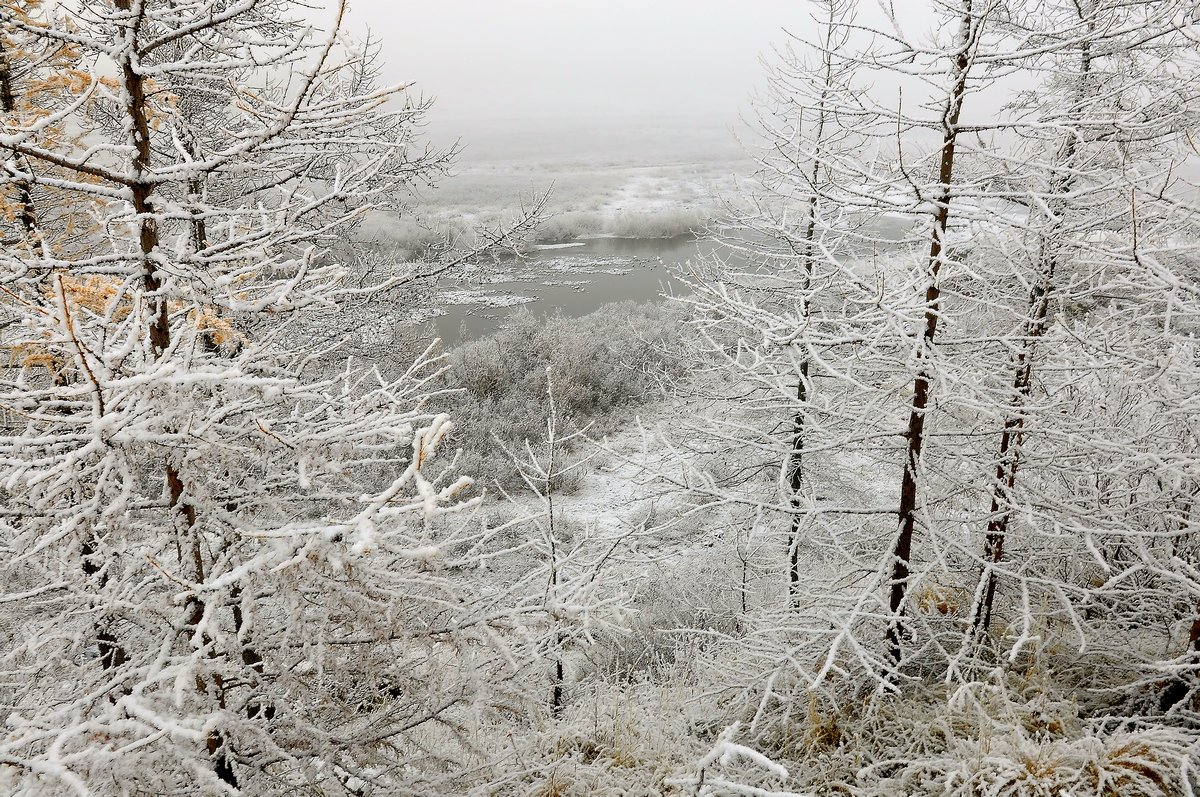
(582, 276)
(574, 281)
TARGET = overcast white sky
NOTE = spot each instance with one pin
(524, 59)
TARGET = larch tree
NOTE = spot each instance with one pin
(1086, 140)
(1094, 470)
(37, 78)
(567, 575)
(785, 228)
(976, 277)
(869, 182)
(225, 565)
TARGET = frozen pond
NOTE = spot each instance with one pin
(574, 279)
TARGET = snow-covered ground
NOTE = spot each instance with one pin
(626, 183)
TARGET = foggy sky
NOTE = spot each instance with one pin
(596, 59)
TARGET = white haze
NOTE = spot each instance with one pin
(594, 80)
(548, 59)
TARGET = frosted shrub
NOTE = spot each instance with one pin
(614, 743)
(1017, 734)
(568, 226)
(655, 224)
(1139, 763)
(603, 362)
(625, 224)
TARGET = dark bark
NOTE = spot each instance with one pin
(796, 455)
(1180, 688)
(1010, 446)
(8, 104)
(112, 655)
(159, 331)
(1021, 365)
(255, 707)
(914, 434)
(796, 477)
(556, 695)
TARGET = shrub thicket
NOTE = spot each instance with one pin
(603, 363)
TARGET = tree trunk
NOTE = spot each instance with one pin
(914, 435)
(1021, 365)
(159, 332)
(795, 464)
(8, 104)
(796, 455)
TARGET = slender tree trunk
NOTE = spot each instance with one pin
(914, 435)
(795, 463)
(556, 687)
(1010, 445)
(142, 190)
(744, 554)
(1194, 631)
(1021, 364)
(8, 104)
(796, 455)
(1181, 686)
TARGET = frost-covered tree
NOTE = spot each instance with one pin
(567, 576)
(785, 229)
(836, 304)
(37, 78)
(996, 518)
(226, 564)
(1105, 124)
(18, 201)
(931, 265)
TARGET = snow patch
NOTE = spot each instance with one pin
(569, 245)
